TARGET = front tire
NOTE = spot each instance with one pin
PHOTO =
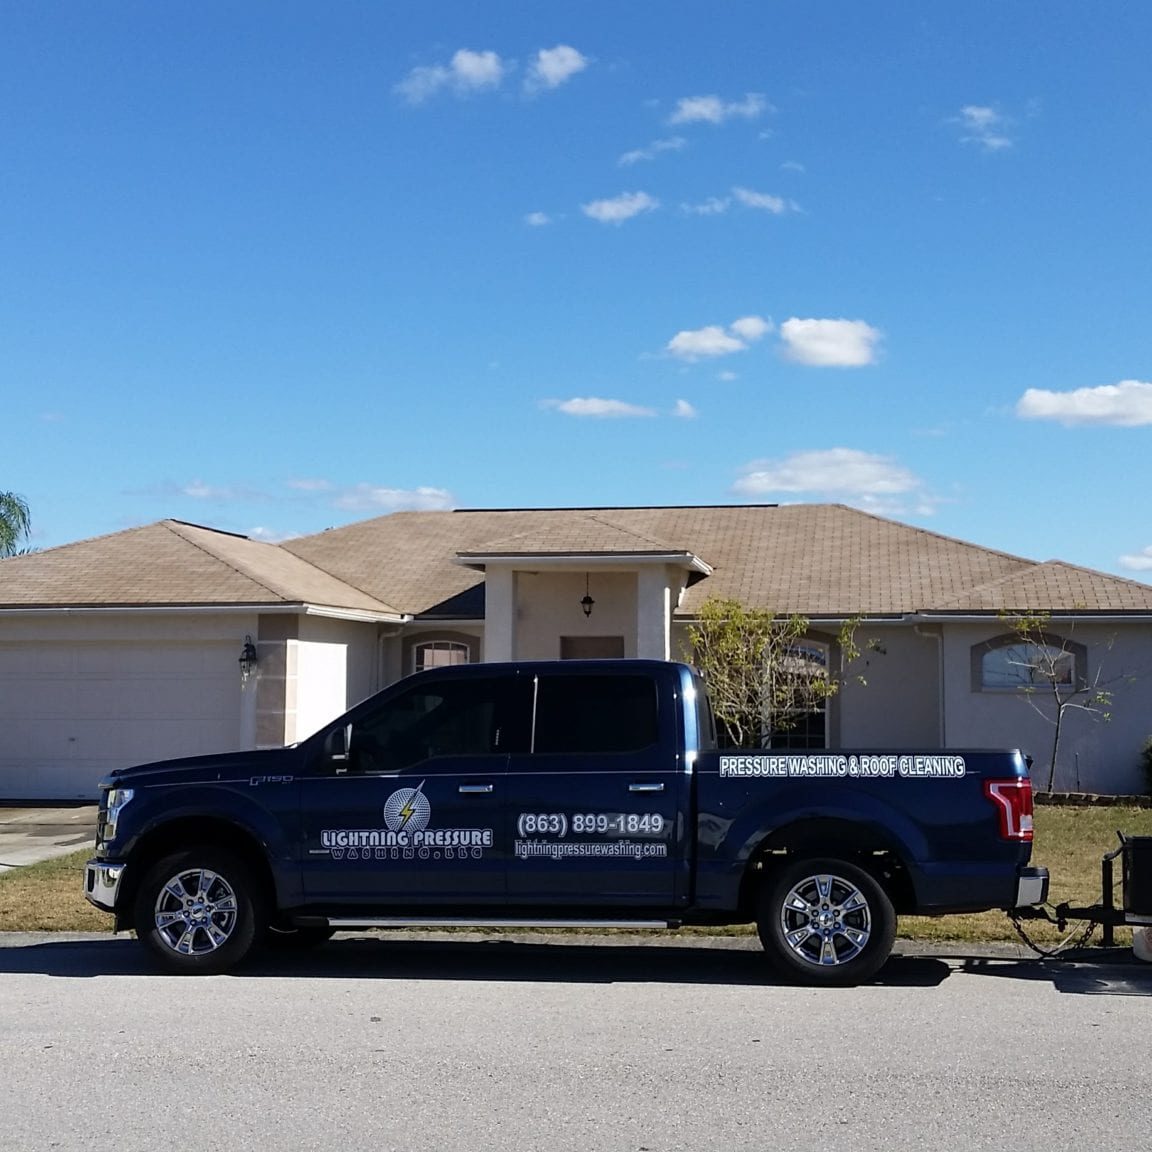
(196, 911)
(825, 921)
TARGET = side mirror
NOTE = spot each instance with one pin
(337, 746)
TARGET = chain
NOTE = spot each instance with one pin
(1069, 943)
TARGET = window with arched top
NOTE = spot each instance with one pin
(439, 654)
(1012, 664)
(802, 724)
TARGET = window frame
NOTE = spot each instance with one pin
(440, 643)
(1076, 654)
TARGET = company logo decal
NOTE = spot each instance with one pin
(878, 767)
(406, 834)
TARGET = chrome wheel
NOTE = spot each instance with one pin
(825, 920)
(195, 912)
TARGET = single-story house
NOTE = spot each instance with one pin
(174, 639)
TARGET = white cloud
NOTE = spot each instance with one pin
(554, 66)
(620, 208)
(685, 410)
(466, 72)
(705, 342)
(830, 343)
(713, 340)
(368, 496)
(875, 483)
(596, 407)
(1140, 562)
(671, 144)
(307, 484)
(793, 166)
(751, 328)
(777, 205)
(727, 376)
(984, 127)
(713, 110)
(537, 219)
(1125, 405)
(198, 490)
(271, 535)
(713, 206)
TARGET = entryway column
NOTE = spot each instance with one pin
(499, 614)
(654, 603)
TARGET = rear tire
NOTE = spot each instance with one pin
(825, 921)
(196, 911)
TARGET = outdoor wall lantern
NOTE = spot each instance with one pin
(586, 601)
(248, 659)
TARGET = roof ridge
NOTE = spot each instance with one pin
(174, 525)
(664, 544)
(988, 585)
(927, 532)
(1143, 585)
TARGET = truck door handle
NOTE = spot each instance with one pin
(475, 789)
(645, 787)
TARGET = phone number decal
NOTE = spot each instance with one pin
(591, 824)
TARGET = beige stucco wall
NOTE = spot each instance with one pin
(898, 706)
(1095, 755)
(312, 669)
(548, 607)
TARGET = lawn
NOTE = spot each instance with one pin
(1069, 841)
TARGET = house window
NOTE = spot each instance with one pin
(802, 723)
(1016, 665)
(439, 654)
(591, 647)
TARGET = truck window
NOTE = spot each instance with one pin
(438, 718)
(595, 714)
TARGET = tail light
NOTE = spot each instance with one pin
(1013, 800)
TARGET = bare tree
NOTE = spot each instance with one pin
(763, 672)
(1052, 674)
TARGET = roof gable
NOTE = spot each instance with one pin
(172, 563)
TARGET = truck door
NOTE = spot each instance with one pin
(593, 805)
(414, 814)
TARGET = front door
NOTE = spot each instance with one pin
(593, 807)
(415, 814)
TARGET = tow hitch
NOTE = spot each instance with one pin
(1135, 853)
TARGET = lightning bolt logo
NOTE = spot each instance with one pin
(409, 808)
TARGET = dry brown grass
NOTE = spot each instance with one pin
(49, 897)
(1069, 842)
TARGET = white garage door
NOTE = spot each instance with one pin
(70, 713)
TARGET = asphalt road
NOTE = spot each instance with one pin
(471, 1044)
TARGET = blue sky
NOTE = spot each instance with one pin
(274, 267)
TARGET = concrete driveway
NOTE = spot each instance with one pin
(28, 835)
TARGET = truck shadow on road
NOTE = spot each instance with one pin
(488, 960)
(729, 962)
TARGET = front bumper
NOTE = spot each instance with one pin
(1031, 887)
(102, 883)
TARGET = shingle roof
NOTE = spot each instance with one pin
(816, 559)
(172, 563)
(589, 535)
(1058, 587)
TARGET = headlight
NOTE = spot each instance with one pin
(117, 799)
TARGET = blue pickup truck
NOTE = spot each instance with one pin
(569, 793)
